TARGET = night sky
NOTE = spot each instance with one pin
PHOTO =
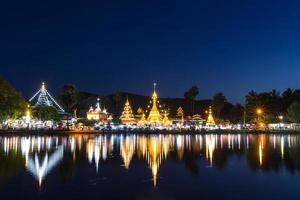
(104, 46)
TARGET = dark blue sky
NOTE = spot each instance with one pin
(104, 46)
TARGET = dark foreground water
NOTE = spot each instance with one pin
(150, 167)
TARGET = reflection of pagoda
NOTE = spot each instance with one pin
(98, 114)
(127, 149)
(154, 149)
(210, 119)
(39, 169)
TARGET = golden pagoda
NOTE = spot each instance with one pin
(165, 120)
(142, 121)
(210, 119)
(127, 116)
(154, 117)
(139, 113)
(180, 114)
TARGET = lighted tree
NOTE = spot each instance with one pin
(180, 113)
(127, 116)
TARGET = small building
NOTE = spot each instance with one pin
(197, 119)
(98, 114)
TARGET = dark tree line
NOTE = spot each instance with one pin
(276, 106)
(12, 104)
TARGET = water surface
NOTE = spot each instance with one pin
(140, 166)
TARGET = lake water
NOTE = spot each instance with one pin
(141, 166)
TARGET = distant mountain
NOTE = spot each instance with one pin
(114, 103)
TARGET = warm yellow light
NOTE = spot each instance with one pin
(280, 117)
(262, 125)
(259, 111)
(43, 85)
(28, 114)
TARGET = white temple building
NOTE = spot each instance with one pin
(98, 114)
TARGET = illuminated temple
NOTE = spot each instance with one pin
(210, 119)
(43, 98)
(127, 116)
(98, 114)
(155, 117)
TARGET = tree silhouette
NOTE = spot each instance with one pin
(190, 96)
(218, 104)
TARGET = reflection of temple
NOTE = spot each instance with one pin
(40, 168)
(98, 149)
(154, 149)
(41, 154)
(127, 149)
(98, 114)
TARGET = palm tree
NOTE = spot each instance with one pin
(190, 96)
(69, 97)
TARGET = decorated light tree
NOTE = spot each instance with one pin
(180, 114)
(127, 116)
(210, 119)
(43, 98)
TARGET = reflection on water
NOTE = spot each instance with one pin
(41, 154)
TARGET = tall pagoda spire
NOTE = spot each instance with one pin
(44, 98)
(127, 116)
(154, 115)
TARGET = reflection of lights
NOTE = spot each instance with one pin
(282, 146)
(260, 152)
(247, 142)
(127, 150)
(40, 169)
(97, 149)
(261, 141)
(152, 148)
(210, 147)
(180, 146)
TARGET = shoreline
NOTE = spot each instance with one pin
(143, 132)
